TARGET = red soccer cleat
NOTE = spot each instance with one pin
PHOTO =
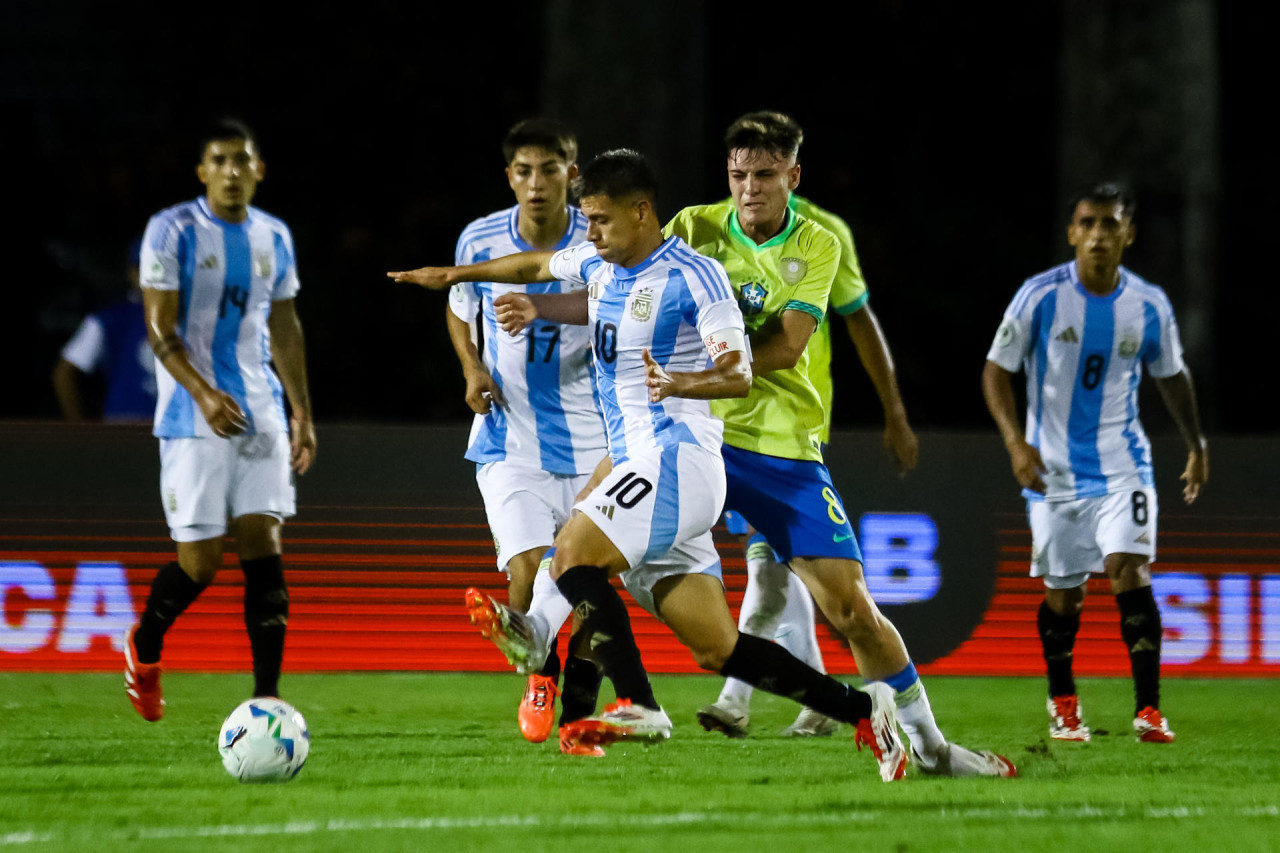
(142, 681)
(1151, 726)
(538, 708)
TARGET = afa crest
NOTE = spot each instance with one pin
(642, 306)
(262, 262)
(1128, 348)
(751, 298)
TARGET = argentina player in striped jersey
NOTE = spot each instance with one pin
(1085, 332)
(219, 280)
(667, 337)
(537, 433)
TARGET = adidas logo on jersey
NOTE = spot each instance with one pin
(1069, 336)
(607, 510)
(209, 263)
(1144, 539)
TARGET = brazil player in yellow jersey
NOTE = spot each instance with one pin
(781, 267)
(776, 604)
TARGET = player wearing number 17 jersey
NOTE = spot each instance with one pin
(537, 434)
(1085, 332)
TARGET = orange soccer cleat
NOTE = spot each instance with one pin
(1151, 726)
(142, 681)
(538, 708)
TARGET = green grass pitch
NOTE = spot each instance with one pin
(435, 762)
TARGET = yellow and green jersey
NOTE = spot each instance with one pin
(848, 294)
(783, 415)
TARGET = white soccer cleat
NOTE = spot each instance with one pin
(880, 732)
(721, 716)
(957, 761)
(621, 720)
(1151, 727)
(1065, 721)
(811, 723)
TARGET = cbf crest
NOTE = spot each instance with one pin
(642, 305)
(751, 298)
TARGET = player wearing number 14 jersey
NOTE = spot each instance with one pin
(1085, 332)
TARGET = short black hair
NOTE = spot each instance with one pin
(224, 128)
(1104, 192)
(765, 130)
(545, 133)
(617, 174)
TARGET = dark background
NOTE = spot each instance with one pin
(948, 139)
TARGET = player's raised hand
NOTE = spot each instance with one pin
(432, 278)
(1028, 467)
(222, 413)
(1196, 474)
(514, 311)
(661, 384)
(482, 392)
(302, 444)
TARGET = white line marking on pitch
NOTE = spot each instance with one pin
(15, 839)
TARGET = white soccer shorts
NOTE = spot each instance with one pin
(526, 506)
(1070, 539)
(205, 481)
(658, 509)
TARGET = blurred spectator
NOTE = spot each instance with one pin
(112, 343)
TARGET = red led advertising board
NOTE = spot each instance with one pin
(386, 542)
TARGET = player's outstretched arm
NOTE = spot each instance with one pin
(482, 390)
(997, 388)
(219, 408)
(289, 352)
(728, 376)
(873, 351)
(1179, 394)
(515, 311)
(521, 268)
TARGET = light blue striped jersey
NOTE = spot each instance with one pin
(668, 303)
(227, 275)
(1084, 356)
(551, 420)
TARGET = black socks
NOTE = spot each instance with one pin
(1057, 639)
(266, 613)
(770, 667)
(603, 615)
(1141, 629)
(172, 592)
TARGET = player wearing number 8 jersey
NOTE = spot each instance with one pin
(781, 267)
(667, 337)
(1084, 332)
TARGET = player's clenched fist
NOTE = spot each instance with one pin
(514, 311)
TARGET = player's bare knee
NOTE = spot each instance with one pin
(711, 657)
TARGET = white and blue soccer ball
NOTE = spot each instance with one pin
(264, 740)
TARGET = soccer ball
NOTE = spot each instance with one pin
(264, 740)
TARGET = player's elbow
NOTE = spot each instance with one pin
(738, 380)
